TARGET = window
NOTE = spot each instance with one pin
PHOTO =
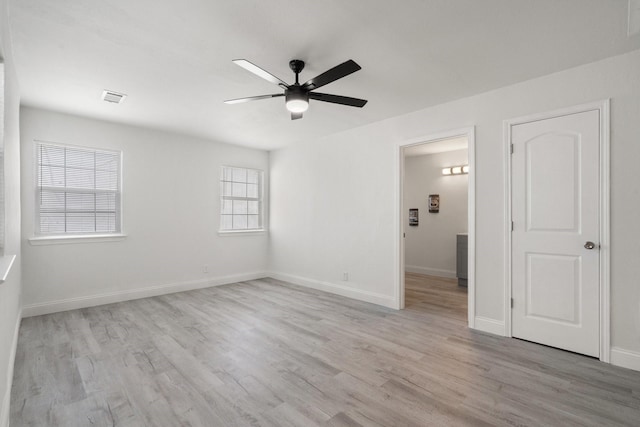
(78, 190)
(241, 200)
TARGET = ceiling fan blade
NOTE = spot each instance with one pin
(337, 72)
(336, 99)
(252, 98)
(259, 72)
(296, 116)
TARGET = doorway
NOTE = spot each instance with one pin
(428, 255)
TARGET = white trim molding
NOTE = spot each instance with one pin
(399, 217)
(334, 288)
(506, 137)
(603, 107)
(69, 239)
(127, 295)
(625, 358)
(6, 262)
(6, 401)
(492, 326)
(242, 233)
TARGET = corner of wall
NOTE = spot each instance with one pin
(6, 401)
(11, 289)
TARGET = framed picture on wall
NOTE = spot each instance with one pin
(413, 216)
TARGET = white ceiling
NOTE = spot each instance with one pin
(441, 146)
(173, 59)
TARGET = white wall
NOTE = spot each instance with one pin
(430, 247)
(330, 215)
(334, 202)
(10, 290)
(170, 215)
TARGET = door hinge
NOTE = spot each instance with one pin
(404, 235)
(511, 302)
(511, 225)
(511, 148)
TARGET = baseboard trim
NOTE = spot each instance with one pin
(334, 288)
(119, 296)
(491, 326)
(449, 274)
(6, 401)
(625, 358)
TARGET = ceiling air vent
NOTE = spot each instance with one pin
(111, 96)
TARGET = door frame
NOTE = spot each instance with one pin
(605, 294)
(399, 285)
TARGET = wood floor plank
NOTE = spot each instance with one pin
(268, 353)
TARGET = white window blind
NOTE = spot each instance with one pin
(241, 200)
(78, 190)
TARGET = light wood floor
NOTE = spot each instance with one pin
(266, 353)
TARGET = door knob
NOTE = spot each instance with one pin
(589, 245)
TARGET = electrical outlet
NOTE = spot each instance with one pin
(205, 269)
(345, 277)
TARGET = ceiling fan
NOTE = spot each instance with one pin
(297, 95)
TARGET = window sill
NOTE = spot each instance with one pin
(85, 238)
(242, 232)
(6, 262)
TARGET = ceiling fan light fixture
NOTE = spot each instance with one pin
(297, 105)
(297, 101)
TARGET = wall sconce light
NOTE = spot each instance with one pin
(456, 170)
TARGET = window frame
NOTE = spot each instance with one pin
(68, 237)
(260, 199)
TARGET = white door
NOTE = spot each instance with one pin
(555, 238)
